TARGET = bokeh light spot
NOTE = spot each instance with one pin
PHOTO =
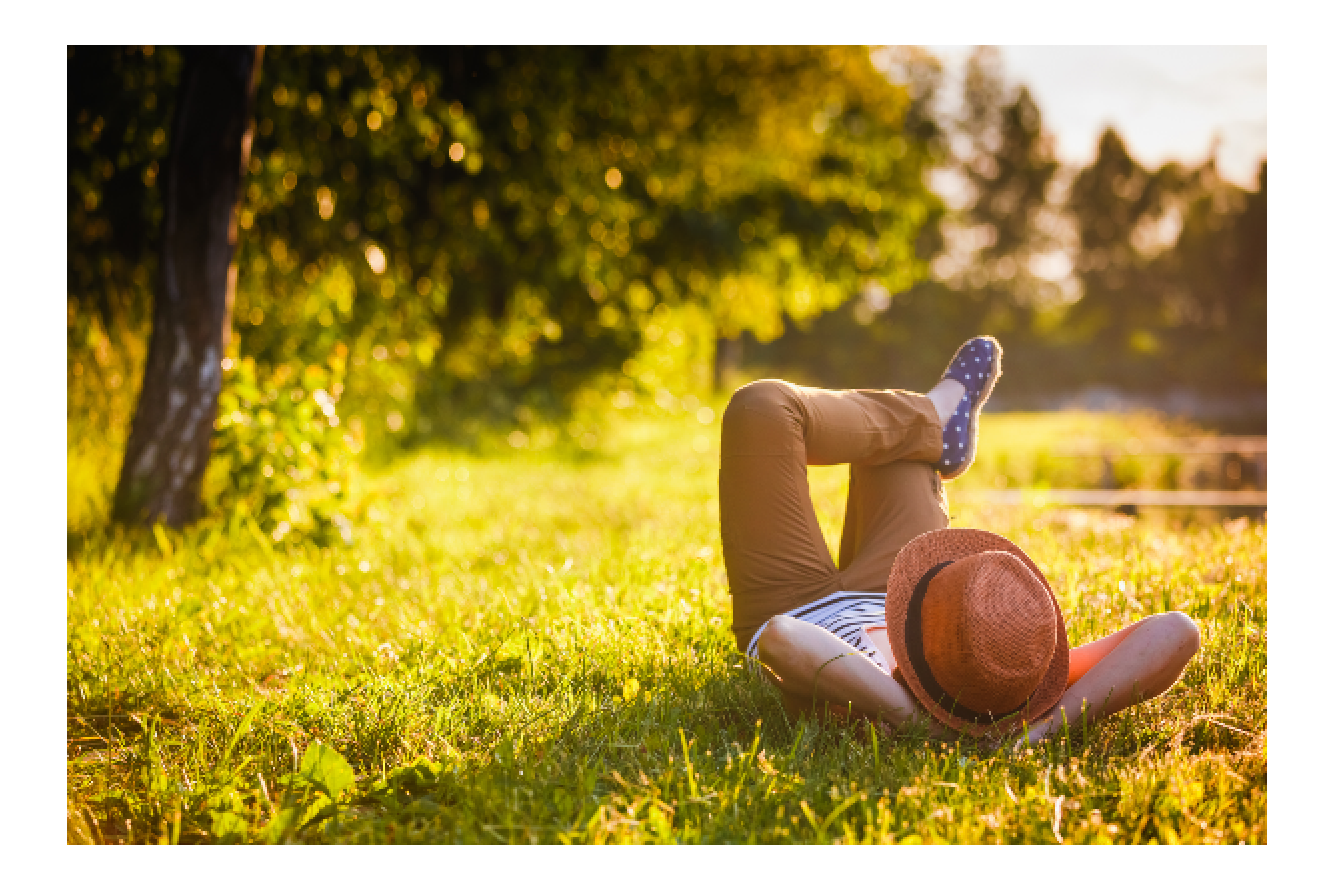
(324, 200)
(375, 258)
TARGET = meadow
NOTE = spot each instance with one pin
(524, 646)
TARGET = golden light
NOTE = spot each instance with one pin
(375, 258)
(457, 151)
(373, 120)
(324, 197)
(613, 178)
(872, 201)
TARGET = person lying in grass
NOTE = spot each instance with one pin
(917, 621)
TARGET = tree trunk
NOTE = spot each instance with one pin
(726, 359)
(168, 448)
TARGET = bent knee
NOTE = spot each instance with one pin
(761, 418)
(768, 396)
(1181, 629)
(777, 638)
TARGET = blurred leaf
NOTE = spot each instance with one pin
(228, 827)
(163, 542)
(325, 768)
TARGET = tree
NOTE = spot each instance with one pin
(169, 441)
(482, 229)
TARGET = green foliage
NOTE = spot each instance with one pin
(526, 646)
(103, 370)
(508, 223)
(310, 794)
(119, 113)
(280, 457)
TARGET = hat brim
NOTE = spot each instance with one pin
(917, 557)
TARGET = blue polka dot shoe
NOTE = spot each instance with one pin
(977, 365)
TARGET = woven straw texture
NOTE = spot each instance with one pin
(957, 544)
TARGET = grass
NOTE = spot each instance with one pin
(523, 647)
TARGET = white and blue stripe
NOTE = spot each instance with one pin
(845, 614)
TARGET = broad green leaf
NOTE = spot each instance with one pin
(228, 827)
(283, 822)
(325, 767)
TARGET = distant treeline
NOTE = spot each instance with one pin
(1113, 275)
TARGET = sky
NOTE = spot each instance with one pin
(1168, 102)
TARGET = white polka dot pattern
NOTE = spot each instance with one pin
(960, 430)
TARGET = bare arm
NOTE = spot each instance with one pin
(812, 666)
(1083, 658)
(1137, 663)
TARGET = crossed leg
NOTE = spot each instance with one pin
(775, 553)
(776, 557)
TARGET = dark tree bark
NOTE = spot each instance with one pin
(726, 359)
(168, 447)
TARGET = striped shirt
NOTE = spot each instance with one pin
(845, 614)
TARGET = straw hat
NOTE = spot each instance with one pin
(976, 631)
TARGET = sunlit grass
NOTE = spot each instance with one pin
(523, 647)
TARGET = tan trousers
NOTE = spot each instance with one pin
(775, 554)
